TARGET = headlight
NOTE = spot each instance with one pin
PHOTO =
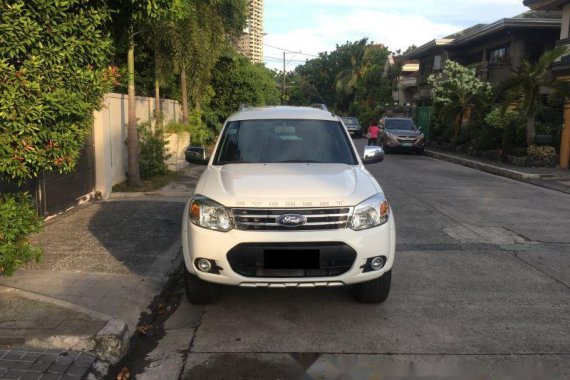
(373, 212)
(207, 213)
(390, 136)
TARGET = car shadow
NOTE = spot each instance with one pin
(115, 237)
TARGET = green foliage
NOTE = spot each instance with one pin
(53, 74)
(18, 219)
(199, 132)
(352, 73)
(523, 87)
(456, 90)
(501, 118)
(541, 152)
(152, 152)
(236, 81)
(177, 127)
(457, 87)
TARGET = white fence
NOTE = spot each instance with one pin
(110, 138)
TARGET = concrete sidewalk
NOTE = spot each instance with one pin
(103, 264)
(552, 178)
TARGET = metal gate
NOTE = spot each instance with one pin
(55, 192)
(424, 116)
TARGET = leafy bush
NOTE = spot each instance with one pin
(200, 134)
(18, 219)
(152, 152)
(500, 118)
(541, 152)
(456, 90)
(53, 74)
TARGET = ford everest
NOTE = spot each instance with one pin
(286, 201)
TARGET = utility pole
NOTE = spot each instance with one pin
(283, 85)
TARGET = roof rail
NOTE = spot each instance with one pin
(320, 105)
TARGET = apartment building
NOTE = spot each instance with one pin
(251, 42)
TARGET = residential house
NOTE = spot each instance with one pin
(493, 49)
(406, 79)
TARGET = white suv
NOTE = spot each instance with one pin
(286, 202)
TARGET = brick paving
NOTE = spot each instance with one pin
(31, 364)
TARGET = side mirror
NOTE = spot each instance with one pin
(372, 154)
(196, 155)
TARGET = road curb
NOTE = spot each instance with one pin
(504, 172)
(110, 343)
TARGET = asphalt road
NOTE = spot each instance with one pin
(480, 288)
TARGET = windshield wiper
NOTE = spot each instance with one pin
(298, 161)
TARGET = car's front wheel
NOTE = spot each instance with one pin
(375, 291)
(198, 291)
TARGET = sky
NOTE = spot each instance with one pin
(314, 26)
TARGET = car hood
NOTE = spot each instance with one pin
(287, 185)
(404, 132)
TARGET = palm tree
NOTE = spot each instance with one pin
(347, 79)
(130, 18)
(197, 40)
(523, 88)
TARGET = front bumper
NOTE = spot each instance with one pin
(354, 131)
(404, 144)
(198, 242)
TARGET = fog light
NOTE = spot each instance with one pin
(377, 263)
(204, 265)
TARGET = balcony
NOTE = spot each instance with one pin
(562, 65)
(407, 82)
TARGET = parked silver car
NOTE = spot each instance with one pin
(352, 126)
(401, 134)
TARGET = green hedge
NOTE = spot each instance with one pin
(18, 219)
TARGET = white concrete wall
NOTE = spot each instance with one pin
(110, 136)
(176, 147)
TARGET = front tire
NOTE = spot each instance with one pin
(375, 291)
(198, 291)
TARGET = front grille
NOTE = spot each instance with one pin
(328, 259)
(258, 219)
(406, 139)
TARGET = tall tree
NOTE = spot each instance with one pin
(198, 39)
(456, 90)
(347, 79)
(129, 19)
(237, 81)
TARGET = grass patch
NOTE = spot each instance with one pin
(147, 185)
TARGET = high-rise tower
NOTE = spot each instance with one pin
(251, 43)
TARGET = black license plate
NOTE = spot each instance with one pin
(291, 259)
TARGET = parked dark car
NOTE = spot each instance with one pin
(401, 134)
(352, 126)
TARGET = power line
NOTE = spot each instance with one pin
(281, 59)
(290, 51)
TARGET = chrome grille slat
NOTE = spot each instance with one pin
(259, 219)
(308, 216)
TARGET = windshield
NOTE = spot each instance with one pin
(280, 141)
(399, 124)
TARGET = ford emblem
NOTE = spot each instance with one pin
(291, 220)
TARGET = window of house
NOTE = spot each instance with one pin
(472, 59)
(500, 56)
(437, 62)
